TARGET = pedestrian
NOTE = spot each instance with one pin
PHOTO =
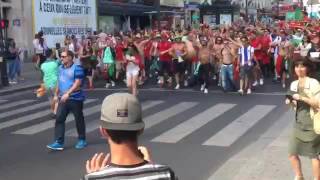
(204, 64)
(165, 60)
(246, 62)
(227, 67)
(178, 51)
(133, 59)
(121, 124)
(71, 97)
(304, 96)
(49, 69)
(108, 60)
(11, 58)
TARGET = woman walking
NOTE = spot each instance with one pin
(133, 59)
(304, 96)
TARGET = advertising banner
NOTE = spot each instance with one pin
(58, 18)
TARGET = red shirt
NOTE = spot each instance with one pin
(255, 43)
(119, 52)
(164, 46)
(147, 49)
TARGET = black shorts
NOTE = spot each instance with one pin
(179, 67)
(246, 71)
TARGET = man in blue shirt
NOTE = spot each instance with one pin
(71, 96)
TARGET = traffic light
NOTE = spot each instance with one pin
(4, 23)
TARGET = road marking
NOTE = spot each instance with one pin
(30, 117)
(190, 91)
(51, 123)
(17, 94)
(251, 160)
(93, 125)
(239, 127)
(161, 116)
(13, 104)
(23, 109)
(3, 101)
(188, 127)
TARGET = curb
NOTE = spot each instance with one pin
(9, 91)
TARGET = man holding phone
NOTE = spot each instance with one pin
(121, 124)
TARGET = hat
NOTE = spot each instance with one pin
(121, 111)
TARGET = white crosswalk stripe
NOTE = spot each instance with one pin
(93, 125)
(161, 116)
(166, 111)
(188, 127)
(24, 109)
(228, 135)
(50, 124)
(30, 117)
(3, 101)
(14, 104)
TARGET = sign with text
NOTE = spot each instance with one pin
(58, 18)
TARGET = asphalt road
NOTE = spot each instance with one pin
(192, 132)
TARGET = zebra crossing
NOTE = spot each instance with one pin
(12, 114)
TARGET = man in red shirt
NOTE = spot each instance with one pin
(165, 58)
(119, 57)
(255, 42)
(147, 56)
(266, 61)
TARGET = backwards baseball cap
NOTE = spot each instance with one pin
(121, 111)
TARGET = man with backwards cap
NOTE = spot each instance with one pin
(121, 124)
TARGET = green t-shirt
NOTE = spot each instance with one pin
(50, 73)
(108, 58)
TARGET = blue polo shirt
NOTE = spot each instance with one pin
(67, 77)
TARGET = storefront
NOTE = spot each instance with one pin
(123, 15)
(217, 13)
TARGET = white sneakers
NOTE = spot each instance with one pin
(202, 87)
(177, 87)
(186, 83)
(108, 85)
(261, 82)
(205, 91)
(240, 91)
(113, 83)
(255, 84)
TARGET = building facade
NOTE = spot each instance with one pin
(19, 14)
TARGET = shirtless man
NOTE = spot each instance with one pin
(204, 69)
(217, 47)
(227, 67)
(178, 51)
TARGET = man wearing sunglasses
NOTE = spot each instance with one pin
(71, 96)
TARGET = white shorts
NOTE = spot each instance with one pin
(132, 70)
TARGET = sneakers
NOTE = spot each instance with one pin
(240, 91)
(186, 83)
(108, 85)
(205, 91)
(255, 84)
(56, 146)
(177, 87)
(81, 144)
(261, 82)
(249, 91)
(113, 83)
(284, 86)
(202, 87)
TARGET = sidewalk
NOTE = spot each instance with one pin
(266, 159)
(31, 80)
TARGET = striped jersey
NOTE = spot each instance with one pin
(245, 55)
(143, 171)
